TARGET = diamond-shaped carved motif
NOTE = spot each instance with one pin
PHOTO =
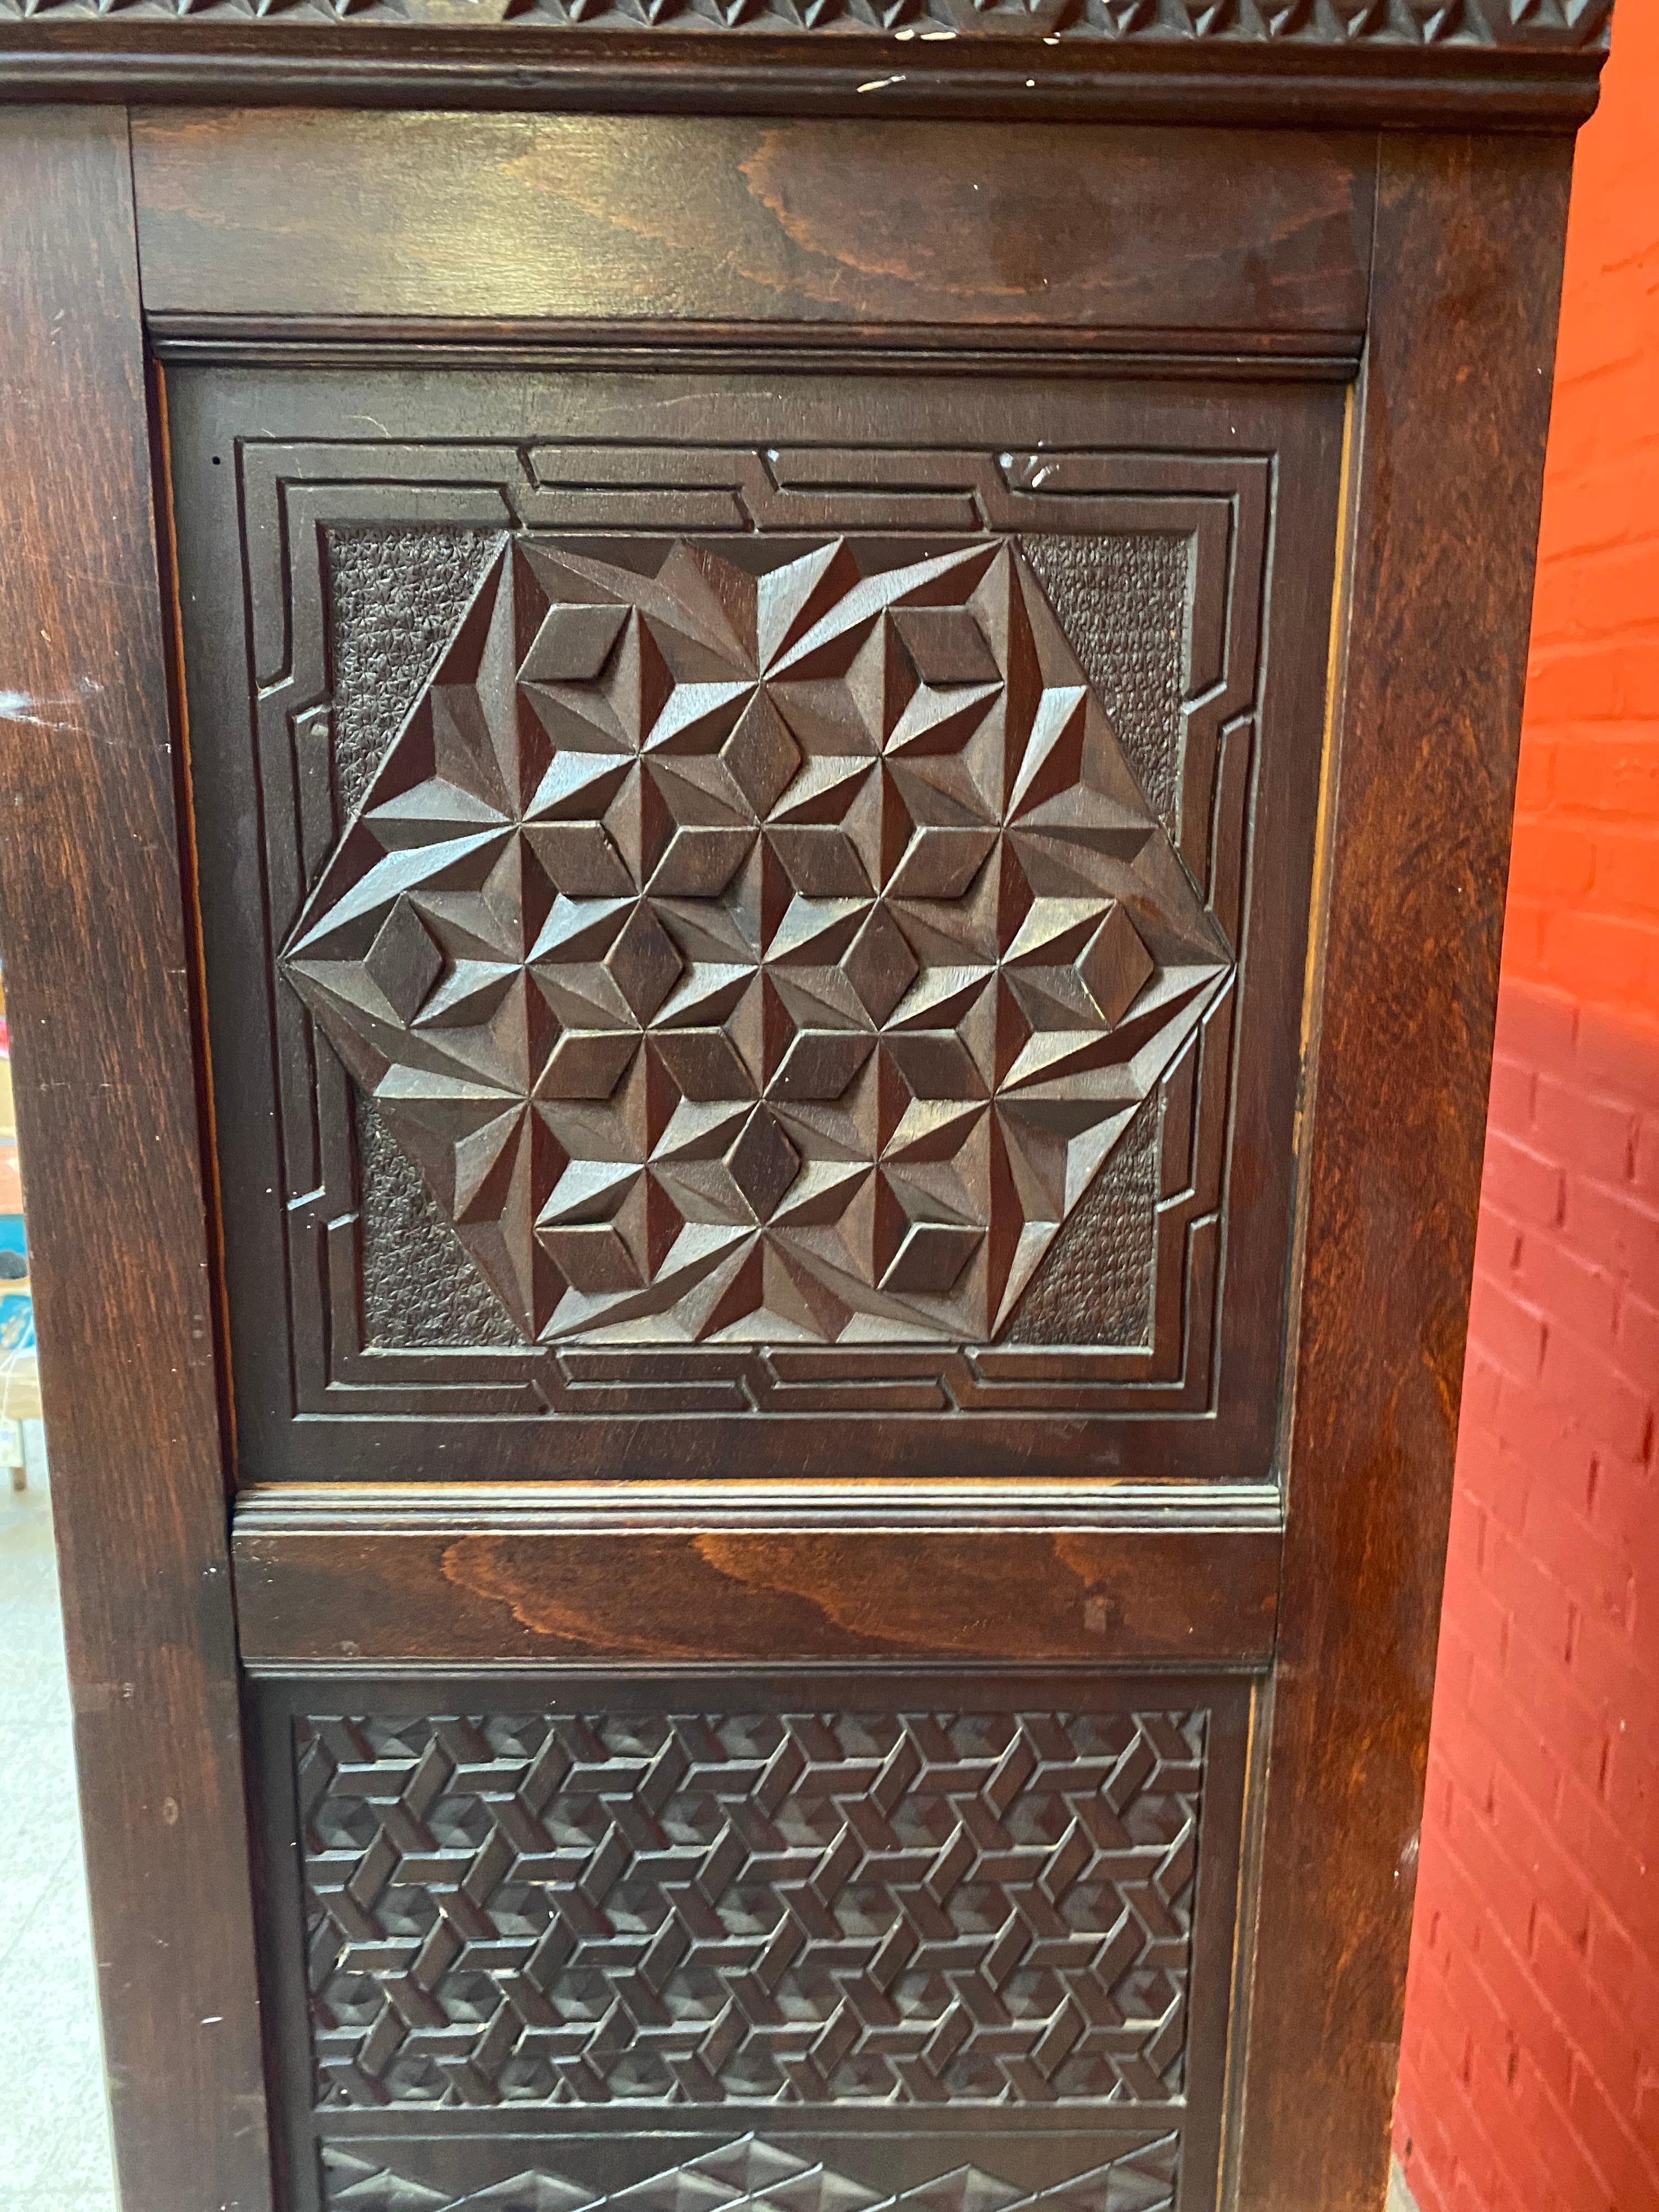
(794, 1909)
(752, 2175)
(756, 944)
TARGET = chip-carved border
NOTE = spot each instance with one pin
(1549, 26)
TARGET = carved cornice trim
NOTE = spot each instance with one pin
(1559, 26)
(1436, 63)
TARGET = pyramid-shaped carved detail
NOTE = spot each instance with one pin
(752, 2175)
(767, 949)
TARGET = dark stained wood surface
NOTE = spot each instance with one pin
(472, 1592)
(1452, 418)
(1164, 61)
(722, 221)
(96, 966)
(354, 1361)
(284, 229)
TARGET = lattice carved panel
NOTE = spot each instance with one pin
(778, 1910)
(768, 947)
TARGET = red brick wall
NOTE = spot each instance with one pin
(1529, 2078)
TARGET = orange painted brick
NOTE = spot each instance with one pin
(1560, 1471)
(1583, 1376)
(1497, 1245)
(1628, 1976)
(1524, 1180)
(1611, 1860)
(1617, 1050)
(1537, 1027)
(1607, 2043)
(1632, 1788)
(1636, 1336)
(1552, 859)
(1624, 1510)
(1559, 2146)
(1512, 1332)
(1538, 1600)
(1625, 863)
(1526, 1832)
(1644, 1168)
(1549, 1276)
(1614, 773)
(1629, 2168)
(1524, 925)
(1547, 1724)
(1554, 1439)
(1617, 1225)
(1599, 1569)
(1621, 955)
(1531, 2017)
(1605, 585)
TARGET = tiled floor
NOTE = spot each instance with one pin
(54, 2142)
(1399, 2197)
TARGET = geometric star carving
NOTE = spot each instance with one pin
(757, 943)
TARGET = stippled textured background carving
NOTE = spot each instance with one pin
(1123, 602)
(418, 1287)
(1096, 1286)
(395, 597)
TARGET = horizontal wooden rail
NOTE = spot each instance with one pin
(839, 225)
(387, 1579)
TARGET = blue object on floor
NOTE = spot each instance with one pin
(16, 1323)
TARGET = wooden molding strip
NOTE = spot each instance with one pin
(368, 1579)
(628, 347)
(284, 1508)
(1485, 63)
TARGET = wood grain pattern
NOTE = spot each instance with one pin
(720, 220)
(1449, 459)
(101, 1030)
(316, 1595)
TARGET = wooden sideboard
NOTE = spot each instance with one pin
(759, 758)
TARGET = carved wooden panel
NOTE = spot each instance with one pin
(395, 598)
(748, 931)
(754, 2175)
(942, 1940)
(801, 1908)
(769, 948)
